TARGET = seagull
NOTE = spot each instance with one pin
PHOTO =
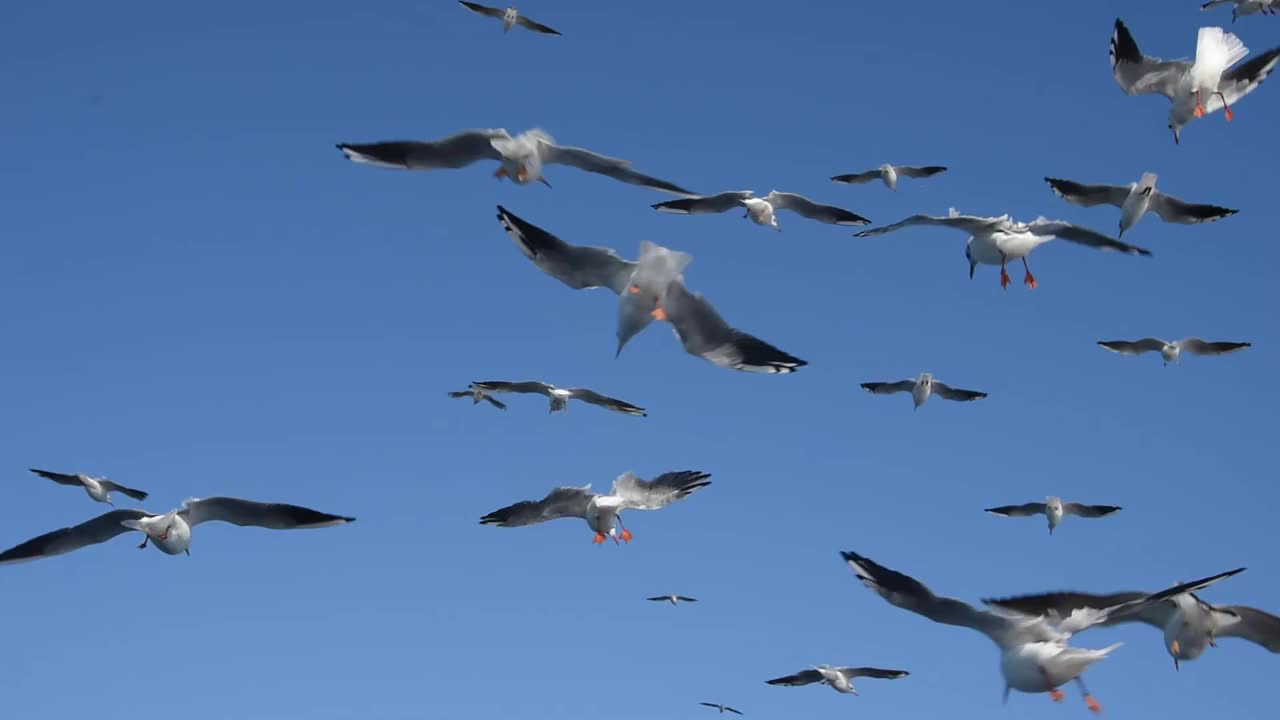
(889, 174)
(1034, 654)
(1135, 199)
(99, 489)
(921, 388)
(1053, 508)
(170, 533)
(1245, 7)
(1189, 623)
(602, 512)
(559, 396)
(639, 303)
(762, 211)
(478, 395)
(673, 599)
(510, 17)
(996, 240)
(1195, 88)
(1171, 352)
(705, 334)
(521, 157)
(579, 266)
(839, 678)
(722, 708)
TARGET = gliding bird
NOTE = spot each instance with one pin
(1054, 509)
(99, 489)
(510, 17)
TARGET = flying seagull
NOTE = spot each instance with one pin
(510, 17)
(1053, 508)
(921, 388)
(559, 397)
(602, 512)
(1241, 8)
(1189, 624)
(722, 708)
(1171, 352)
(762, 211)
(839, 678)
(476, 396)
(1034, 654)
(996, 240)
(1135, 199)
(889, 174)
(521, 156)
(1195, 88)
(99, 489)
(171, 532)
(673, 599)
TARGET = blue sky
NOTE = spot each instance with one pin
(201, 297)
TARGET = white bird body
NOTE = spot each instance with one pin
(1136, 203)
(923, 388)
(95, 489)
(1053, 512)
(761, 212)
(1038, 667)
(169, 533)
(509, 17)
(836, 679)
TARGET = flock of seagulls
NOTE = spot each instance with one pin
(1032, 632)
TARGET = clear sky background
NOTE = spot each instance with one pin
(202, 297)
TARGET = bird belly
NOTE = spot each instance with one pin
(1022, 671)
(1017, 245)
(177, 541)
(982, 249)
(1135, 206)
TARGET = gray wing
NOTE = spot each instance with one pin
(1134, 347)
(608, 403)
(1056, 606)
(98, 530)
(530, 386)
(1089, 511)
(1253, 625)
(801, 205)
(1196, 346)
(1088, 195)
(1171, 209)
(578, 266)
(879, 673)
(718, 203)
(485, 10)
(919, 172)
(559, 503)
(947, 392)
(804, 677)
(911, 595)
(494, 401)
(858, 178)
(110, 486)
(971, 224)
(888, 388)
(1243, 79)
(604, 165)
(454, 151)
(60, 478)
(686, 598)
(250, 513)
(704, 333)
(1085, 618)
(659, 492)
(1215, 3)
(1137, 74)
(534, 26)
(1025, 510)
(1082, 236)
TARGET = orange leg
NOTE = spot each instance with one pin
(1056, 694)
(1029, 280)
(1199, 111)
(1004, 275)
(1226, 109)
(659, 314)
(522, 175)
(626, 534)
(599, 538)
(1092, 703)
(500, 173)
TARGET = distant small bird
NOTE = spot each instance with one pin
(1242, 8)
(722, 708)
(922, 388)
(673, 599)
(1135, 199)
(99, 489)
(478, 395)
(762, 211)
(889, 174)
(1053, 508)
(839, 678)
(559, 397)
(510, 17)
(1171, 352)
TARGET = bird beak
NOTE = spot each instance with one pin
(1176, 139)
(543, 181)
(972, 266)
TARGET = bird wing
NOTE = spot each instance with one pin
(608, 403)
(667, 488)
(455, 151)
(1044, 227)
(1138, 74)
(1089, 511)
(686, 598)
(494, 401)
(1088, 195)
(879, 673)
(814, 211)
(1058, 605)
(1215, 3)
(971, 224)
(704, 333)
(1084, 618)
(485, 10)
(249, 513)
(529, 386)
(110, 486)
(1244, 79)
(604, 165)
(60, 478)
(913, 171)
(535, 26)
(1025, 510)
(1134, 347)
(947, 392)
(804, 677)
(700, 205)
(559, 503)
(578, 266)
(888, 388)
(857, 178)
(1196, 346)
(1171, 209)
(98, 530)
(1253, 625)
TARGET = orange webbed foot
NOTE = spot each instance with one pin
(659, 314)
(1056, 694)
(1199, 111)
(1228, 114)
(599, 538)
(1092, 704)
(1030, 281)
(1004, 279)
(626, 535)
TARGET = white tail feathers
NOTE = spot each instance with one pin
(1148, 181)
(1109, 649)
(1216, 50)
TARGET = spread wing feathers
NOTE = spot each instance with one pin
(888, 388)
(805, 207)
(857, 178)
(1085, 618)
(1056, 606)
(1137, 74)
(604, 165)
(804, 677)
(608, 403)
(919, 172)
(1240, 81)
(1253, 625)
(249, 513)
(870, 672)
(1089, 511)
(1025, 510)
(559, 503)
(1088, 195)
(1171, 209)
(1196, 346)
(98, 530)
(534, 26)
(659, 492)
(971, 224)
(1134, 347)
(949, 393)
(704, 333)
(530, 386)
(455, 151)
(718, 203)
(60, 478)
(578, 266)
(485, 10)
(1081, 235)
